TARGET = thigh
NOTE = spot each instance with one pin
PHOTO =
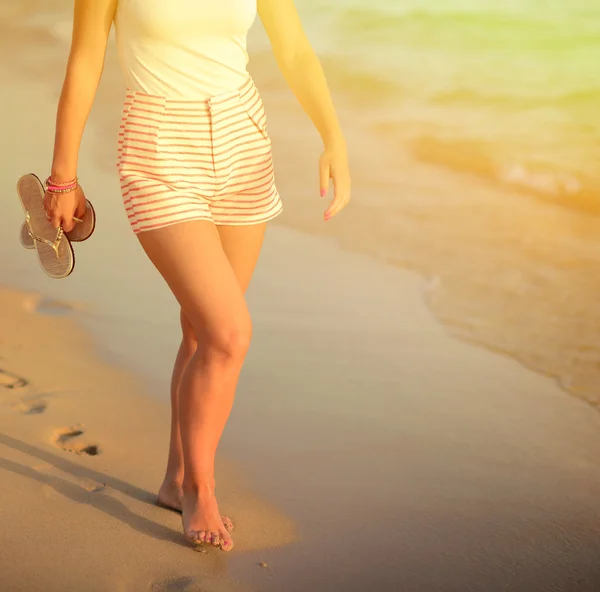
(242, 245)
(192, 260)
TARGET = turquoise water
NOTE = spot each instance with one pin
(507, 90)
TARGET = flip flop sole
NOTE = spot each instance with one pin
(57, 263)
(25, 237)
(82, 231)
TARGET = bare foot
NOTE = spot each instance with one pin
(170, 496)
(202, 522)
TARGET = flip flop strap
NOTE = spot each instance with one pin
(54, 245)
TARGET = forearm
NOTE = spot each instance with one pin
(304, 74)
(74, 106)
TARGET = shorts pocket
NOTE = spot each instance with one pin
(121, 137)
(256, 112)
(138, 137)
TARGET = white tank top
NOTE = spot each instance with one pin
(184, 48)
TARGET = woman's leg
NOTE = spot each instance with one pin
(242, 245)
(170, 494)
(208, 274)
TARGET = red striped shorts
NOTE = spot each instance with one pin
(185, 160)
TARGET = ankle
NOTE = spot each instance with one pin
(173, 481)
(199, 487)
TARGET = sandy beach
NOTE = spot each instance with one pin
(368, 448)
(374, 471)
(82, 449)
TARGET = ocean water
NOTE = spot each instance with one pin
(493, 188)
(507, 90)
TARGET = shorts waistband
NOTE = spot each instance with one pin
(213, 104)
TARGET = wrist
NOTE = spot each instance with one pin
(63, 172)
(334, 142)
(62, 178)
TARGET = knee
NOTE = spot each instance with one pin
(229, 344)
(189, 337)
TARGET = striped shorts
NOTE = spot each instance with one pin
(181, 160)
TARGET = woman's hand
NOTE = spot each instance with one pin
(333, 165)
(62, 207)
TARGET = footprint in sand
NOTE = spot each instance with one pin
(182, 584)
(52, 477)
(8, 380)
(69, 439)
(33, 407)
(33, 404)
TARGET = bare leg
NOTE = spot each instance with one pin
(242, 245)
(208, 274)
(170, 493)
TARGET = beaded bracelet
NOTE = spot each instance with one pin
(49, 181)
(53, 187)
(55, 191)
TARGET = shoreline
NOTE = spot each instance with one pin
(480, 447)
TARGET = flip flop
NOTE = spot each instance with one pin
(84, 227)
(54, 250)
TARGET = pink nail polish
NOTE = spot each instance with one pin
(323, 192)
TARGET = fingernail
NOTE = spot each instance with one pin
(323, 192)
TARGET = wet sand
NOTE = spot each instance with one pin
(403, 459)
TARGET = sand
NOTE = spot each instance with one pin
(404, 459)
(82, 449)
(368, 449)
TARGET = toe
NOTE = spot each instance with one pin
(227, 523)
(216, 539)
(202, 537)
(193, 536)
(226, 543)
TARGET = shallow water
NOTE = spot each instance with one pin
(511, 86)
(493, 190)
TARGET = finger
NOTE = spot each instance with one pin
(324, 175)
(336, 188)
(55, 219)
(340, 202)
(341, 198)
(80, 210)
(67, 222)
(336, 206)
(47, 200)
